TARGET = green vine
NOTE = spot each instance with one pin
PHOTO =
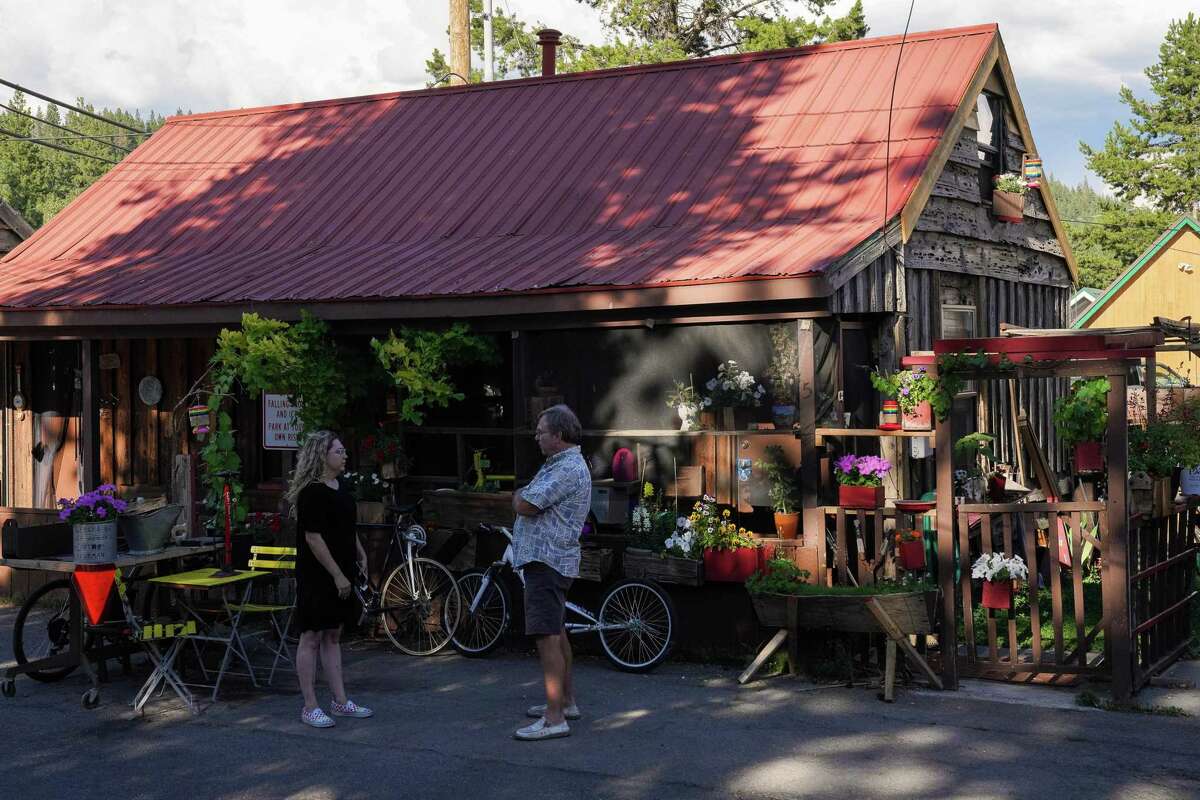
(418, 363)
(1082, 416)
(951, 368)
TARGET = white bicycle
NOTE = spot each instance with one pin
(636, 620)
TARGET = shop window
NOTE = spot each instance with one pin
(990, 136)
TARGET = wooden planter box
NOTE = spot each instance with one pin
(860, 496)
(466, 510)
(909, 610)
(371, 512)
(595, 563)
(669, 569)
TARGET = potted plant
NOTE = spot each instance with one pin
(769, 590)
(386, 451)
(368, 490)
(736, 393)
(730, 552)
(860, 480)
(93, 519)
(1158, 453)
(1008, 197)
(1081, 418)
(970, 478)
(785, 494)
(912, 389)
(911, 547)
(651, 521)
(783, 374)
(688, 403)
(998, 573)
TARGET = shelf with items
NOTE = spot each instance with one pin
(823, 433)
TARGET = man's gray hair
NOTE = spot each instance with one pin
(561, 419)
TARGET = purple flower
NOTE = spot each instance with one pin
(101, 511)
(65, 514)
(119, 505)
(107, 488)
(904, 391)
(846, 464)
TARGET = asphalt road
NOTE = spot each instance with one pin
(443, 730)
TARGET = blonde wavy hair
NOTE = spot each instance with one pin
(310, 464)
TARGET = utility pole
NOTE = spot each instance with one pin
(489, 54)
(460, 42)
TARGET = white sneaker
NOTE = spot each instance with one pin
(542, 730)
(350, 709)
(570, 712)
(316, 718)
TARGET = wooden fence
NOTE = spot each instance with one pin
(1162, 565)
(1072, 532)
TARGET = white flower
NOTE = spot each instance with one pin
(712, 384)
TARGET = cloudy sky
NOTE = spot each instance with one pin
(1070, 58)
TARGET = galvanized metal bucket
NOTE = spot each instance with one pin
(147, 533)
(95, 542)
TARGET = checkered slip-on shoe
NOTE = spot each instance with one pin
(350, 709)
(540, 730)
(316, 718)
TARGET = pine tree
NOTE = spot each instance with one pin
(1155, 159)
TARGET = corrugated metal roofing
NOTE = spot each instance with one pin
(762, 165)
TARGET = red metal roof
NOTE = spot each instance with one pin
(760, 165)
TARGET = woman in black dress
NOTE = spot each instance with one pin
(326, 550)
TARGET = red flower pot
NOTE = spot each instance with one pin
(996, 485)
(920, 418)
(1089, 457)
(860, 496)
(997, 594)
(730, 566)
(912, 554)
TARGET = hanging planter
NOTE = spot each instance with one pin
(997, 595)
(1089, 457)
(998, 574)
(1008, 198)
(920, 418)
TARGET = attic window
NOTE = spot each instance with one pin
(989, 111)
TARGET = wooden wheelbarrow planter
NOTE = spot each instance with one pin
(897, 615)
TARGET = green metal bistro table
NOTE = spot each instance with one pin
(184, 583)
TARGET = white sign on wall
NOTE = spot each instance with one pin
(281, 429)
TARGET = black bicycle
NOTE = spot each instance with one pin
(418, 603)
(636, 620)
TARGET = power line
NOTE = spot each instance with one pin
(64, 128)
(70, 138)
(887, 156)
(19, 138)
(83, 111)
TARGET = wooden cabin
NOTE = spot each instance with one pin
(615, 231)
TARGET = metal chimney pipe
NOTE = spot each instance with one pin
(548, 39)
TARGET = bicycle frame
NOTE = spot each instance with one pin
(406, 542)
(492, 573)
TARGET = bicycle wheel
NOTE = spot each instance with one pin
(637, 624)
(480, 632)
(43, 629)
(421, 606)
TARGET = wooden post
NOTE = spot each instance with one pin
(89, 414)
(948, 640)
(1150, 384)
(460, 42)
(813, 517)
(1115, 546)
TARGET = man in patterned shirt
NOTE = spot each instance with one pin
(551, 512)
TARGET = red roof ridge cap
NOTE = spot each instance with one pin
(694, 63)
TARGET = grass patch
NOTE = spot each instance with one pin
(809, 590)
(1093, 610)
(1092, 700)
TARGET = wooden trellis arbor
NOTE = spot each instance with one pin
(1071, 526)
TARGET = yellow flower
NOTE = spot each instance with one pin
(725, 513)
(648, 490)
(742, 531)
